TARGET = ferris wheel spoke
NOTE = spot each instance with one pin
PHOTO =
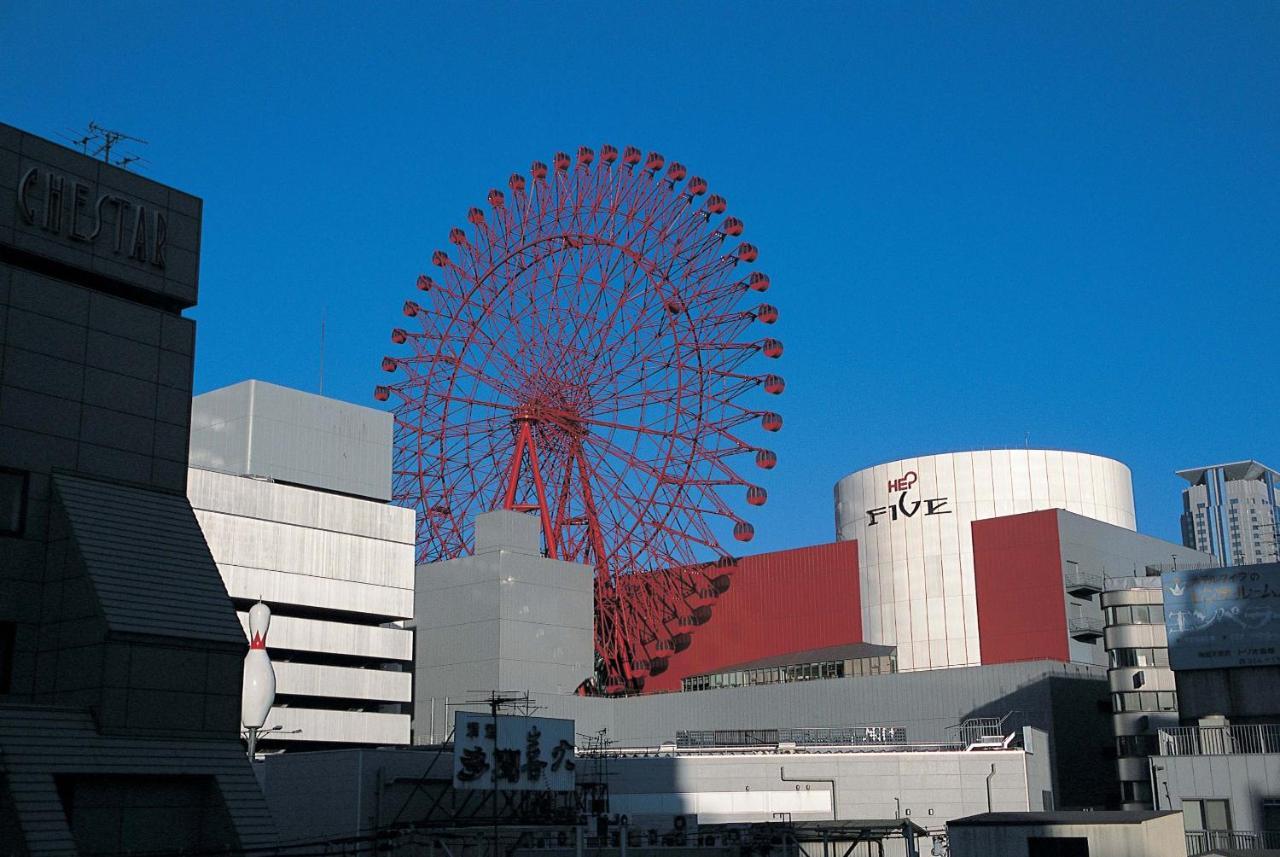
(598, 298)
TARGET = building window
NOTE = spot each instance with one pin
(1147, 700)
(1206, 814)
(1135, 791)
(8, 640)
(1139, 657)
(1136, 745)
(1139, 614)
(13, 501)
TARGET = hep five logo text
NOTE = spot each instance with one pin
(904, 508)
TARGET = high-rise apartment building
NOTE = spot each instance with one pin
(1230, 511)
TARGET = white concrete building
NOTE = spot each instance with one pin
(912, 519)
(305, 528)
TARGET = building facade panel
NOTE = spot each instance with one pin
(330, 554)
(1021, 603)
(262, 499)
(788, 601)
(294, 634)
(327, 726)
(301, 679)
(319, 593)
(912, 517)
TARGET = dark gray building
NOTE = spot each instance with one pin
(120, 652)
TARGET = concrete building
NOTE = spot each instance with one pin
(706, 789)
(1144, 699)
(1037, 582)
(471, 607)
(1232, 511)
(120, 653)
(291, 491)
(1066, 834)
(1221, 765)
(913, 520)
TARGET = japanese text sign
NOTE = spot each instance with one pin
(1223, 617)
(512, 753)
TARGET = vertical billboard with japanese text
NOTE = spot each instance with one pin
(512, 753)
(1223, 617)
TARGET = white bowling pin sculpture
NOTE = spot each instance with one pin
(258, 690)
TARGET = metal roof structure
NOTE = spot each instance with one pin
(850, 832)
(848, 651)
(1049, 818)
(1234, 471)
(147, 560)
(38, 744)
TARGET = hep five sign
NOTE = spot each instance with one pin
(904, 505)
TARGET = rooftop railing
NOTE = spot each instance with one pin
(1081, 580)
(1203, 841)
(1119, 583)
(1084, 627)
(1252, 738)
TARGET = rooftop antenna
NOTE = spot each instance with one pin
(497, 701)
(107, 139)
(80, 142)
(324, 310)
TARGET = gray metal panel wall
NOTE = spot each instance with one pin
(258, 429)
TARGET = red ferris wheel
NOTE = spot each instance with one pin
(581, 354)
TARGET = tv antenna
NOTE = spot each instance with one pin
(100, 141)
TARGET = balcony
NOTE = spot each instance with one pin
(1086, 629)
(1082, 583)
(1253, 738)
(1202, 841)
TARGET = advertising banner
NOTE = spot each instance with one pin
(1223, 617)
(512, 753)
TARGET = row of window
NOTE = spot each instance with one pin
(1138, 657)
(1137, 745)
(796, 672)
(1137, 614)
(1147, 700)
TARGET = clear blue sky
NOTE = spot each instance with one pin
(985, 223)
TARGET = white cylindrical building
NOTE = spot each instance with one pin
(915, 551)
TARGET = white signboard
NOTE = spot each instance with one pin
(513, 753)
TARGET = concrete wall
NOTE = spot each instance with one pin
(504, 618)
(342, 566)
(928, 787)
(346, 793)
(258, 429)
